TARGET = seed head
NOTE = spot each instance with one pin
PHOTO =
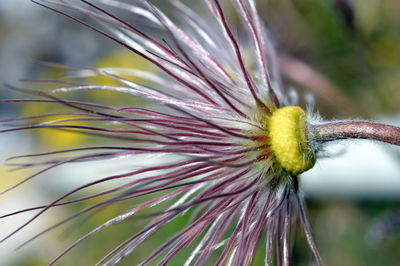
(289, 144)
(237, 145)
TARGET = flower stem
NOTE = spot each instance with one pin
(356, 130)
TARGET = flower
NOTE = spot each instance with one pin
(216, 108)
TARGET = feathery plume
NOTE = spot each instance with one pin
(215, 107)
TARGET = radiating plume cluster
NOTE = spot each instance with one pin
(206, 108)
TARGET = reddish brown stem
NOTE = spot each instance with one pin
(357, 130)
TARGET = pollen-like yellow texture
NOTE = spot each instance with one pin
(288, 140)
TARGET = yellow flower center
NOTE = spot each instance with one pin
(288, 141)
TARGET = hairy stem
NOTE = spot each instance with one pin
(356, 130)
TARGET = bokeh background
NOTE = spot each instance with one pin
(342, 56)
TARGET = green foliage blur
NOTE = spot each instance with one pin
(352, 43)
